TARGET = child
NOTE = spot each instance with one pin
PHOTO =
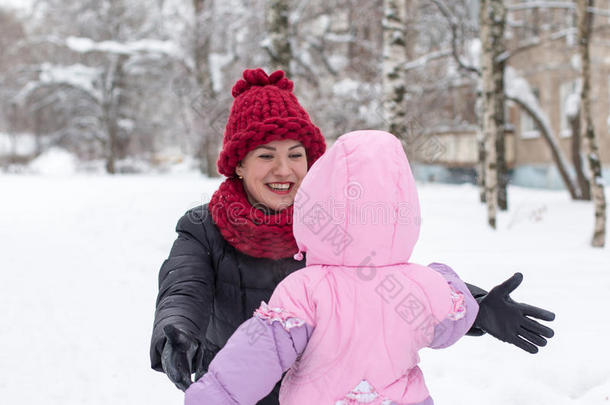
(348, 326)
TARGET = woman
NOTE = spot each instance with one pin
(230, 254)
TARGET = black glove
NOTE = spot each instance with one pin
(177, 356)
(508, 320)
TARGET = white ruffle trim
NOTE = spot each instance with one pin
(288, 320)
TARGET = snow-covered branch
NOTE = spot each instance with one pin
(599, 11)
(87, 45)
(556, 5)
(424, 59)
(563, 33)
(453, 25)
(540, 4)
(78, 76)
(518, 90)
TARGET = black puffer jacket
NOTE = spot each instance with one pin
(208, 288)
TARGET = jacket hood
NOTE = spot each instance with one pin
(358, 205)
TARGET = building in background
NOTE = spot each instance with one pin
(551, 66)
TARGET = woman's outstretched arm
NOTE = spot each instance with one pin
(510, 321)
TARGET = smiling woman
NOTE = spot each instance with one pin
(231, 253)
(272, 173)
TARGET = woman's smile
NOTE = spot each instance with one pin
(281, 188)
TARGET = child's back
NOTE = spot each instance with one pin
(369, 324)
(349, 325)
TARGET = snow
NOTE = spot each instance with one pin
(517, 87)
(346, 87)
(474, 52)
(572, 105)
(359, 91)
(423, 60)
(77, 75)
(320, 25)
(55, 161)
(84, 45)
(24, 5)
(218, 64)
(265, 43)
(503, 56)
(599, 11)
(340, 38)
(338, 62)
(81, 256)
(540, 4)
(25, 144)
(575, 62)
(126, 124)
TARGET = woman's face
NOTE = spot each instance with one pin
(273, 172)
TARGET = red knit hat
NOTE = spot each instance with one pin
(265, 110)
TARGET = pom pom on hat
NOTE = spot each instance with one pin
(258, 77)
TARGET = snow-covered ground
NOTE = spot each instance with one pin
(80, 256)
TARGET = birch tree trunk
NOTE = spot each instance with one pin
(278, 30)
(493, 16)
(488, 130)
(585, 23)
(499, 104)
(394, 57)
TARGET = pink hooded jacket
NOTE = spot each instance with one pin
(348, 326)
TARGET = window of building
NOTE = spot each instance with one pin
(569, 97)
(528, 126)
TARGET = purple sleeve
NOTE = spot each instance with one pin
(251, 363)
(451, 329)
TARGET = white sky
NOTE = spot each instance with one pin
(20, 4)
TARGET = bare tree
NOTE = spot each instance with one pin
(394, 58)
(518, 91)
(11, 31)
(202, 37)
(97, 99)
(542, 13)
(89, 73)
(585, 23)
(529, 107)
(278, 29)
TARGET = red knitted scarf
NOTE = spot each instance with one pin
(249, 229)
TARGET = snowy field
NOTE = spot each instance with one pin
(80, 256)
